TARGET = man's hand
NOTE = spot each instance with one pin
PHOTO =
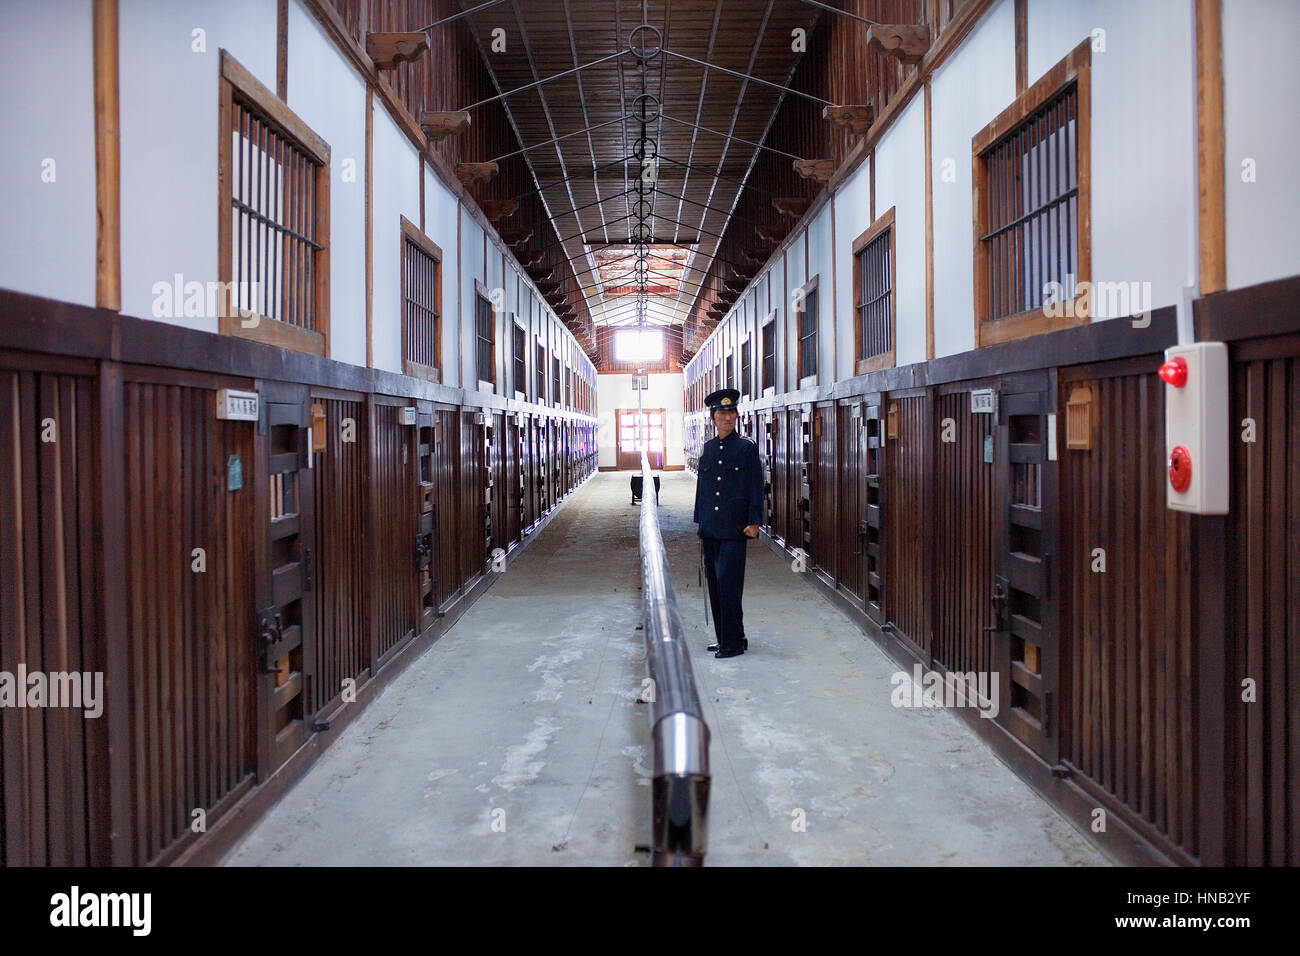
(751, 531)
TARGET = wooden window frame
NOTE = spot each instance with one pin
(812, 285)
(540, 372)
(1075, 68)
(485, 384)
(518, 363)
(269, 331)
(557, 397)
(766, 388)
(410, 231)
(747, 377)
(886, 359)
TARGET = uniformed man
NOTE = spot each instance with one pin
(728, 508)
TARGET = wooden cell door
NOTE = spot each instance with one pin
(285, 635)
(636, 434)
(850, 511)
(426, 564)
(872, 526)
(1026, 649)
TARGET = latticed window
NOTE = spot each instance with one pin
(421, 303)
(1032, 255)
(555, 379)
(746, 367)
(519, 341)
(769, 354)
(274, 178)
(873, 294)
(484, 338)
(539, 370)
(807, 320)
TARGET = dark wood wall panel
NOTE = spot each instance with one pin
(341, 589)
(191, 686)
(445, 521)
(906, 594)
(52, 800)
(966, 515)
(851, 501)
(393, 488)
(1127, 646)
(1263, 735)
(827, 522)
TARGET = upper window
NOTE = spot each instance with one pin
(806, 317)
(746, 368)
(421, 303)
(1032, 253)
(539, 366)
(484, 338)
(768, 343)
(273, 176)
(555, 380)
(519, 341)
(873, 295)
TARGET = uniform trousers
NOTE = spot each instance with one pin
(724, 566)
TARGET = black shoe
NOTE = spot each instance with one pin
(712, 648)
(730, 652)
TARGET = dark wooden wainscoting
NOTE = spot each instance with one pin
(235, 584)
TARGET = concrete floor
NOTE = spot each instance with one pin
(517, 739)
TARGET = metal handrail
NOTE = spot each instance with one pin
(680, 792)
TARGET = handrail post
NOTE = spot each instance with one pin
(680, 792)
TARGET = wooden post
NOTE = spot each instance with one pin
(108, 193)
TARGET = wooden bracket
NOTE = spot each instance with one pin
(438, 126)
(497, 209)
(906, 42)
(471, 173)
(537, 273)
(389, 49)
(819, 170)
(792, 206)
(531, 259)
(742, 274)
(516, 237)
(856, 119)
(548, 288)
(771, 235)
(735, 285)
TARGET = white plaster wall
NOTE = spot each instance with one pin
(1261, 122)
(1143, 202)
(666, 391)
(441, 215)
(330, 97)
(975, 84)
(48, 229)
(471, 268)
(395, 192)
(852, 218)
(900, 182)
(795, 275)
(168, 119)
(821, 263)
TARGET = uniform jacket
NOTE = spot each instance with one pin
(729, 489)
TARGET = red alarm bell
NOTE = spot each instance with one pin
(1174, 372)
(1180, 469)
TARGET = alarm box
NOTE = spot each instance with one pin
(1196, 427)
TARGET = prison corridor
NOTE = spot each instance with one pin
(518, 738)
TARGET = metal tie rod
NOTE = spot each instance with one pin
(743, 142)
(544, 80)
(457, 16)
(746, 76)
(550, 142)
(843, 13)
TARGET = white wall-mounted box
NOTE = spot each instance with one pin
(1196, 427)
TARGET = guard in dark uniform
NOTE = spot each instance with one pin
(728, 508)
